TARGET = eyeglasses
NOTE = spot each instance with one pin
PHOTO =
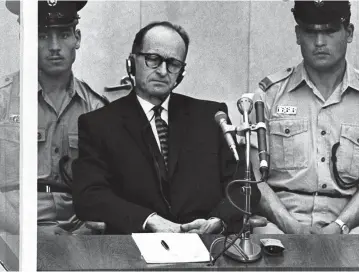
(153, 61)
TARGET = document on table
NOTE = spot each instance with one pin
(2, 267)
(181, 247)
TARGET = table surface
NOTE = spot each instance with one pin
(119, 252)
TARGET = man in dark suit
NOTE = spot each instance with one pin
(156, 161)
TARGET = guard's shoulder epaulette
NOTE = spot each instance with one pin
(118, 88)
(101, 97)
(268, 81)
(126, 84)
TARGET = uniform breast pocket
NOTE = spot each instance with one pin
(9, 153)
(73, 145)
(289, 143)
(348, 152)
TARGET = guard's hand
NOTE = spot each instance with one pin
(157, 223)
(295, 227)
(99, 226)
(201, 226)
(51, 230)
(332, 228)
(257, 221)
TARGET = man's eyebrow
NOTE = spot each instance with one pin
(65, 29)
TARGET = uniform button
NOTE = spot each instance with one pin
(324, 186)
(289, 69)
(7, 79)
(38, 135)
(358, 140)
(323, 159)
(287, 130)
(323, 132)
(56, 150)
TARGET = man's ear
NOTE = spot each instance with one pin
(350, 33)
(297, 33)
(78, 38)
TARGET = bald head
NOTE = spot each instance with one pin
(138, 41)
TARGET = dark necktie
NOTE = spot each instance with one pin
(162, 130)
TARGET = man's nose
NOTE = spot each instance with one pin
(320, 39)
(162, 69)
(54, 43)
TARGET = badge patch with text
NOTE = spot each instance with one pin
(290, 110)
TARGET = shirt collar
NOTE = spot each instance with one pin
(72, 88)
(148, 106)
(350, 79)
(299, 75)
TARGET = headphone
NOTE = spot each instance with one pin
(131, 70)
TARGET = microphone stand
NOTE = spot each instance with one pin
(240, 247)
(251, 250)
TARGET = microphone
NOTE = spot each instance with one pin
(245, 103)
(221, 119)
(261, 135)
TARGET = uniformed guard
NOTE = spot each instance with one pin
(62, 98)
(10, 145)
(313, 129)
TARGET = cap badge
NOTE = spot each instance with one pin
(52, 3)
(318, 3)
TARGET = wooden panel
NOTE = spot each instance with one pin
(119, 252)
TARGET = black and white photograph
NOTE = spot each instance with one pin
(179, 135)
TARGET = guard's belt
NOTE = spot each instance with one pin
(9, 188)
(333, 195)
(52, 188)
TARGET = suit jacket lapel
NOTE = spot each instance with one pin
(137, 125)
(178, 123)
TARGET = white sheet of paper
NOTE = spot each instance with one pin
(183, 247)
(2, 268)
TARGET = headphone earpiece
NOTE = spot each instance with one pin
(130, 65)
(180, 76)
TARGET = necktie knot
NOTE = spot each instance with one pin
(157, 110)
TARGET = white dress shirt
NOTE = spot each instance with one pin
(148, 109)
